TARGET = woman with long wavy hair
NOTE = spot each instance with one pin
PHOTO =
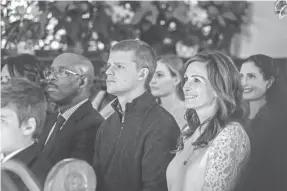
(213, 148)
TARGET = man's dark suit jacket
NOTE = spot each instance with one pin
(76, 138)
(39, 169)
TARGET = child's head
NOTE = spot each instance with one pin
(23, 113)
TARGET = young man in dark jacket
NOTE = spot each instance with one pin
(133, 146)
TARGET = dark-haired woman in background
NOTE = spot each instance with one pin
(266, 125)
(166, 85)
(24, 65)
(214, 148)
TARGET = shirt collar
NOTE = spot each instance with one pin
(11, 155)
(67, 114)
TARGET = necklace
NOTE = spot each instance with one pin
(189, 155)
(188, 158)
(192, 139)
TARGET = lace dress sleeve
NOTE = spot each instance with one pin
(228, 155)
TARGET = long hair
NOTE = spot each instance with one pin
(176, 68)
(25, 66)
(225, 80)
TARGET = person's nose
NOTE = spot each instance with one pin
(187, 86)
(153, 81)
(244, 81)
(186, 89)
(109, 71)
(51, 77)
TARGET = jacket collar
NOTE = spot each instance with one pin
(139, 104)
(28, 155)
(82, 111)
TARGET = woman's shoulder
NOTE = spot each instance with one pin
(227, 157)
(234, 128)
(233, 134)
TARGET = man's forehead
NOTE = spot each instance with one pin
(63, 62)
(121, 56)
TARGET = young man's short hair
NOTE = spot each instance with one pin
(27, 99)
(144, 55)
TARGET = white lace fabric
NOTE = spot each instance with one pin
(227, 157)
(215, 168)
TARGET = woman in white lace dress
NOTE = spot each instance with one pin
(213, 149)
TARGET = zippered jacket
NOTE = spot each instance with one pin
(133, 148)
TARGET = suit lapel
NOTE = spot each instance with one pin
(81, 112)
(71, 123)
(49, 123)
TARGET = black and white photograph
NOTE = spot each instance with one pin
(186, 95)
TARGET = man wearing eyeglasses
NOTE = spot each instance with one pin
(71, 132)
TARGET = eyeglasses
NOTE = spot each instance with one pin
(59, 72)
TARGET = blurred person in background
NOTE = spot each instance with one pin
(166, 85)
(213, 148)
(265, 124)
(26, 66)
(23, 113)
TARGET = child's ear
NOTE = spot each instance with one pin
(29, 127)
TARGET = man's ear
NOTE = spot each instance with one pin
(29, 127)
(143, 74)
(83, 81)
